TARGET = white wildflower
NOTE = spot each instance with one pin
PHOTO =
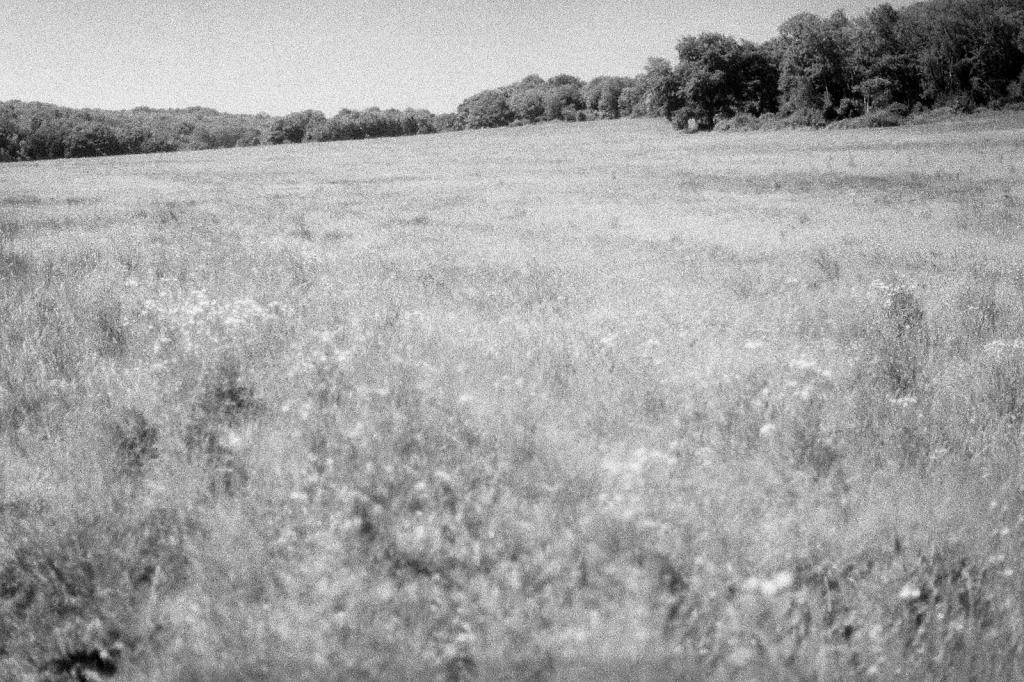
(769, 587)
(909, 592)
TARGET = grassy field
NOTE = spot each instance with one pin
(566, 402)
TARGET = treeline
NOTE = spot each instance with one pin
(34, 131)
(314, 126)
(562, 98)
(870, 70)
(960, 54)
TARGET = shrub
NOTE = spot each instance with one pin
(806, 118)
(902, 340)
(134, 440)
(72, 589)
(738, 123)
(876, 119)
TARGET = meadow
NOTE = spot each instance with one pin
(560, 402)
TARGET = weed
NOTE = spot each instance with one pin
(70, 592)
(1003, 388)
(225, 402)
(13, 267)
(980, 313)
(829, 265)
(134, 439)
(903, 340)
(112, 329)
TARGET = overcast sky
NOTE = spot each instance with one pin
(277, 56)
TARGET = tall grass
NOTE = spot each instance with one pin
(666, 408)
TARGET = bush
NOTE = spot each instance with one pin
(739, 122)
(932, 115)
(681, 120)
(898, 109)
(806, 118)
(878, 119)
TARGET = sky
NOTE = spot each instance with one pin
(278, 56)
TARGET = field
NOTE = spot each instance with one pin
(564, 402)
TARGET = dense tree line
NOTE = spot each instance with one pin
(872, 69)
(33, 131)
(30, 131)
(314, 126)
(960, 54)
(561, 98)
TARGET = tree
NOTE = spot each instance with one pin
(813, 56)
(296, 126)
(487, 109)
(565, 79)
(562, 101)
(601, 95)
(660, 85)
(46, 139)
(527, 104)
(966, 51)
(631, 101)
(90, 138)
(718, 76)
(608, 101)
(882, 66)
(8, 133)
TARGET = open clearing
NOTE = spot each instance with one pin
(564, 402)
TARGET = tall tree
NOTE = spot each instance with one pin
(966, 50)
(719, 76)
(882, 63)
(661, 86)
(813, 62)
(487, 109)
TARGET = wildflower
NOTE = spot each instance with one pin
(769, 587)
(753, 345)
(904, 402)
(777, 583)
(768, 430)
(998, 346)
(909, 592)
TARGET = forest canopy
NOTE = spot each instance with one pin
(868, 70)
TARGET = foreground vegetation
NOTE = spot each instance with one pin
(554, 403)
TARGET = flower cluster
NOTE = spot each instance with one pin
(188, 320)
(628, 478)
(807, 379)
(1001, 347)
(885, 291)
